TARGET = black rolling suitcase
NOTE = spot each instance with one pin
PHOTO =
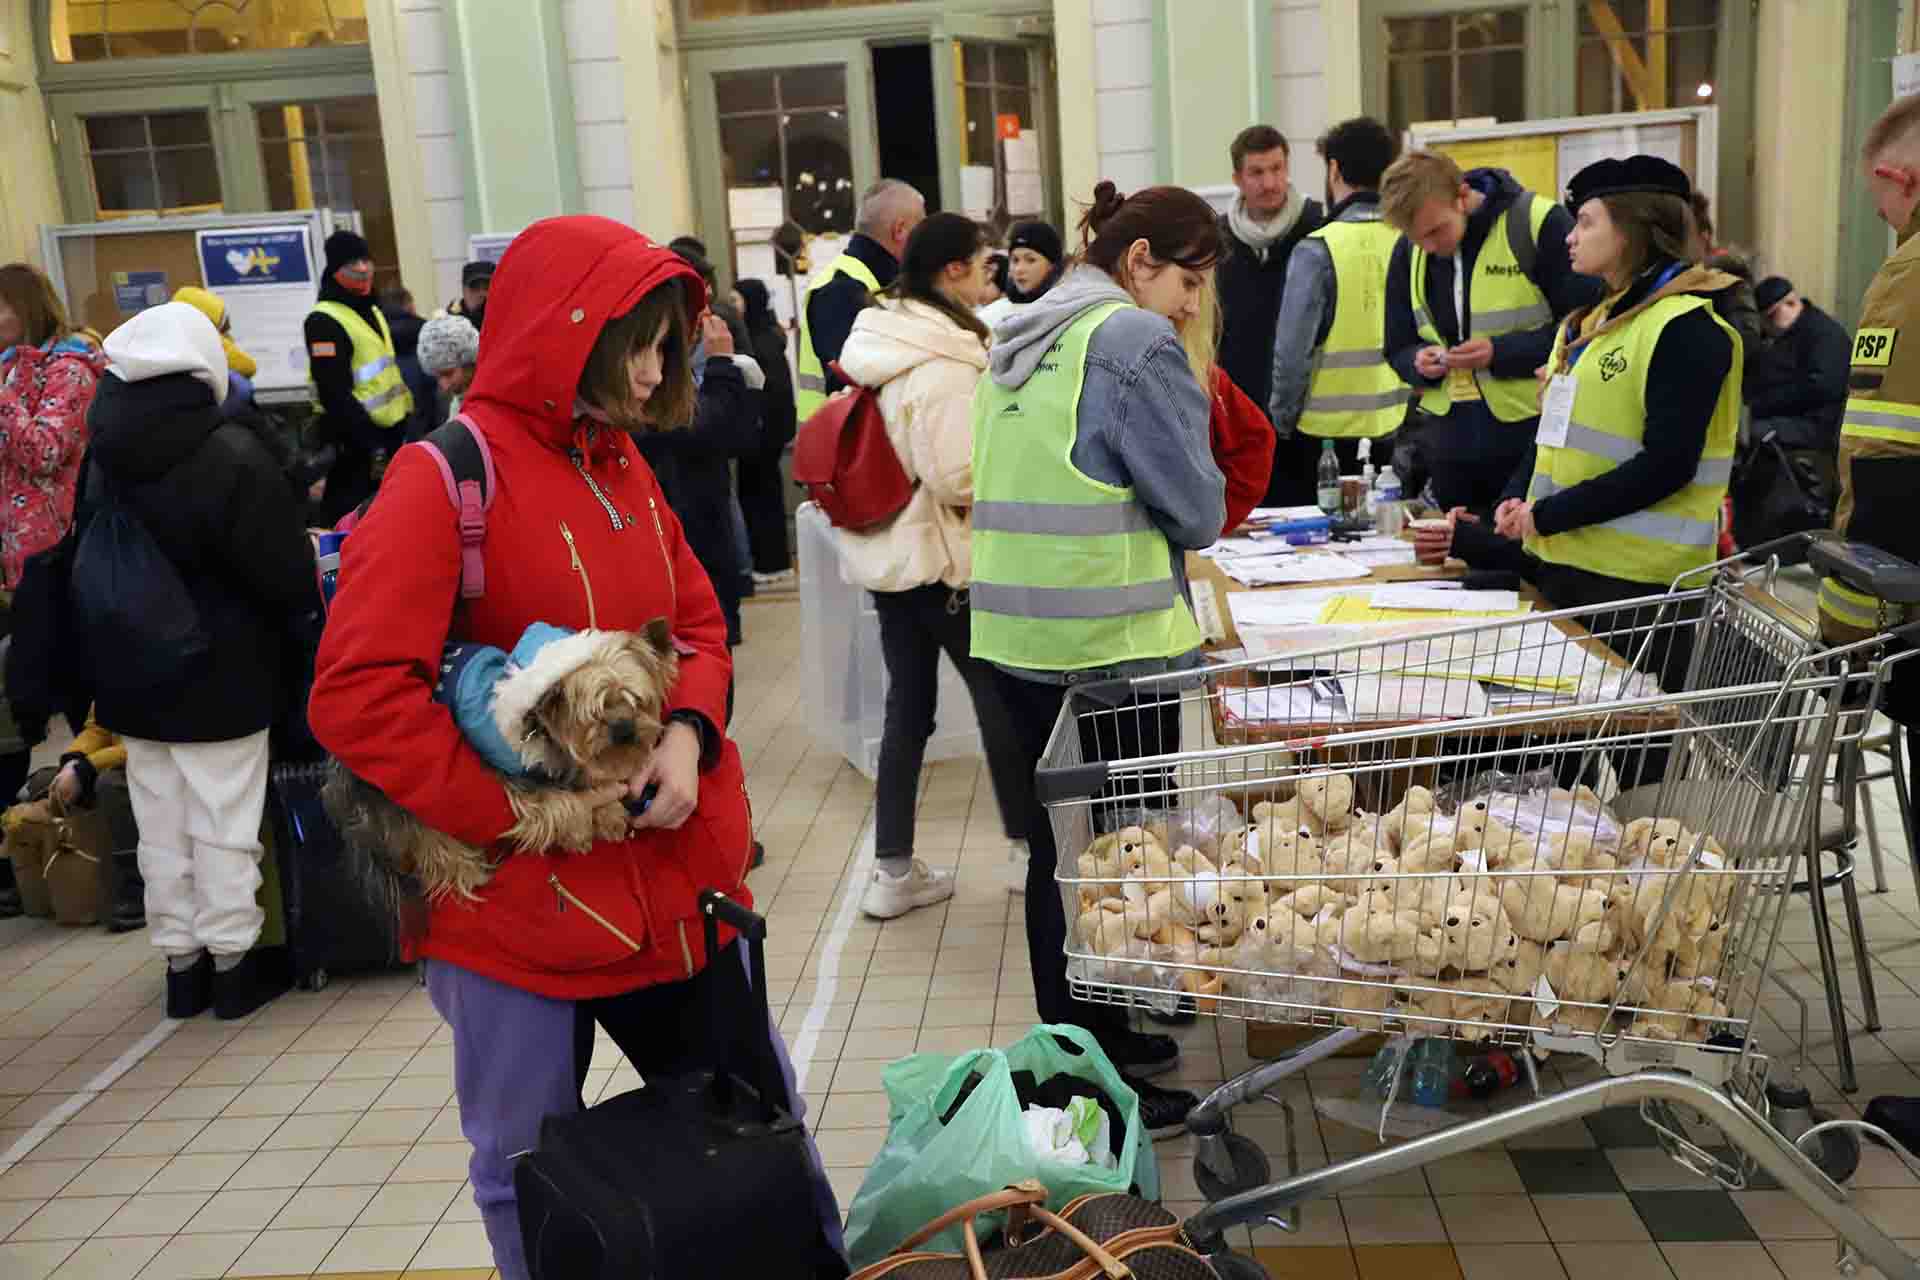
(335, 921)
(700, 1175)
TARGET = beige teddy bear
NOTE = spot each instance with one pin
(1701, 957)
(1327, 800)
(1652, 840)
(1310, 900)
(1366, 1005)
(1477, 1006)
(1586, 978)
(1690, 1012)
(1687, 902)
(1478, 934)
(1581, 862)
(1372, 931)
(1292, 861)
(1282, 815)
(1112, 856)
(1431, 852)
(1351, 852)
(1543, 911)
(1237, 897)
(1520, 971)
(1415, 810)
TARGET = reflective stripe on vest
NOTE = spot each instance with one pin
(1881, 420)
(1068, 572)
(1500, 299)
(1675, 535)
(1857, 609)
(1354, 391)
(377, 383)
(810, 376)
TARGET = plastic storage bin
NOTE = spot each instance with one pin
(846, 676)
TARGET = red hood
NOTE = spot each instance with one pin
(577, 274)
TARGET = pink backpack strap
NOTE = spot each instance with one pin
(470, 496)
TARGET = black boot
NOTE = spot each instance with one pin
(240, 990)
(9, 890)
(129, 894)
(190, 991)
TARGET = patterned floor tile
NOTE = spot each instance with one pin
(1560, 1173)
(1692, 1216)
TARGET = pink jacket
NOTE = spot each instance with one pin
(43, 436)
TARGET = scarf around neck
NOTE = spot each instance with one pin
(1262, 236)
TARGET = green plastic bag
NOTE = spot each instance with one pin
(926, 1168)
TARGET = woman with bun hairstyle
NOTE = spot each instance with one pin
(922, 349)
(1092, 478)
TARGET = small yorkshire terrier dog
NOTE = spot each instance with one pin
(564, 715)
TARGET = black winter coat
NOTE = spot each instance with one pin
(1250, 291)
(692, 464)
(1799, 387)
(778, 416)
(217, 505)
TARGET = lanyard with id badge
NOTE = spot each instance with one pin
(1461, 386)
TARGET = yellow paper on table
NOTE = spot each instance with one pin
(1358, 609)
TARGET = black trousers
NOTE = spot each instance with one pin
(1471, 455)
(1034, 708)
(763, 502)
(915, 628)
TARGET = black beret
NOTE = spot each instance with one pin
(1635, 173)
(1770, 292)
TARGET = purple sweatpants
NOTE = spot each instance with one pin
(512, 1067)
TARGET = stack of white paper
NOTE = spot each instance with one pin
(1445, 598)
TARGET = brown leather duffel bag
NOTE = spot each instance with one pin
(78, 864)
(1100, 1237)
(31, 836)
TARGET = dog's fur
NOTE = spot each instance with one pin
(597, 724)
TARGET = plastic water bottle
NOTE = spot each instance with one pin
(1366, 479)
(1389, 517)
(1329, 481)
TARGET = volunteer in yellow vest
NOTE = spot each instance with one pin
(1092, 477)
(889, 211)
(1330, 378)
(1478, 279)
(1641, 410)
(354, 377)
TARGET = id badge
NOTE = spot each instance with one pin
(1556, 411)
(1461, 386)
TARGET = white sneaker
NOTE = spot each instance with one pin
(890, 896)
(1017, 856)
(784, 578)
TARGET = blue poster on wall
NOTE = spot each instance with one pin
(266, 256)
(135, 291)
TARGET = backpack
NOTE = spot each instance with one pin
(843, 457)
(125, 586)
(459, 449)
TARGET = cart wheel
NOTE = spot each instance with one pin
(315, 981)
(1235, 1266)
(1250, 1169)
(1836, 1153)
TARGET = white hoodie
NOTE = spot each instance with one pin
(925, 367)
(173, 337)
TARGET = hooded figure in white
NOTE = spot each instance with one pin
(214, 504)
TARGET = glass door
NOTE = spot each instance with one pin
(783, 145)
(1005, 163)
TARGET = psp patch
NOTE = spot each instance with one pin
(1874, 347)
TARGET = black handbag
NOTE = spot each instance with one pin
(707, 1174)
(1778, 492)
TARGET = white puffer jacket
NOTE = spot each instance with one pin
(925, 367)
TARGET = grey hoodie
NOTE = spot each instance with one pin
(1143, 419)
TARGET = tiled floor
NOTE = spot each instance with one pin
(319, 1137)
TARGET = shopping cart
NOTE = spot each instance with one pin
(1561, 832)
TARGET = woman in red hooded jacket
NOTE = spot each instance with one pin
(590, 339)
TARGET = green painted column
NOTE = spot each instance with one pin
(513, 103)
(1213, 77)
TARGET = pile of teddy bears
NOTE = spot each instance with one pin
(1437, 919)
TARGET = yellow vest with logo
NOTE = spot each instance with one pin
(1882, 420)
(810, 384)
(1675, 535)
(1501, 299)
(377, 383)
(1069, 573)
(1354, 391)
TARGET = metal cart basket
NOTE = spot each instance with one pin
(1571, 832)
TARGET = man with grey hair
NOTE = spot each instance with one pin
(889, 211)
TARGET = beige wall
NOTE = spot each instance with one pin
(1797, 156)
(656, 119)
(29, 192)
